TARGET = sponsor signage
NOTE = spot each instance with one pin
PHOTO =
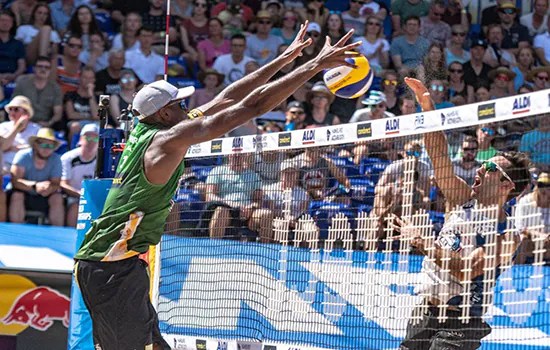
(259, 142)
(195, 149)
(419, 122)
(237, 144)
(521, 105)
(285, 139)
(392, 126)
(308, 138)
(451, 118)
(216, 146)
(364, 130)
(335, 134)
(486, 111)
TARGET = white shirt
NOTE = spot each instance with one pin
(21, 139)
(75, 170)
(526, 207)
(101, 62)
(225, 65)
(118, 45)
(368, 49)
(290, 202)
(26, 33)
(527, 20)
(543, 41)
(145, 67)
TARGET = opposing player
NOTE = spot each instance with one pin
(113, 280)
(498, 180)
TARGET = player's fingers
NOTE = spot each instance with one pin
(302, 32)
(352, 46)
(345, 38)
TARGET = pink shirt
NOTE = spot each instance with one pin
(211, 52)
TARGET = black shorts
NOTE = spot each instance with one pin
(430, 334)
(117, 296)
(33, 202)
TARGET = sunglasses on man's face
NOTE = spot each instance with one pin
(507, 11)
(46, 145)
(411, 153)
(470, 149)
(459, 34)
(542, 77)
(439, 88)
(488, 131)
(264, 22)
(126, 80)
(492, 167)
(296, 112)
(92, 139)
(390, 82)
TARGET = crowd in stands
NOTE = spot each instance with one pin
(56, 58)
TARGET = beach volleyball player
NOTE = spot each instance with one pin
(498, 180)
(113, 280)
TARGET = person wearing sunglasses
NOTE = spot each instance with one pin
(288, 30)
(77, 165)
(516, 35)
(462, 238)
(262, 46)
(35, 178)
(389, 84)
(503, 82)
(454, 52)
(376, 108)
(374, 45)
(149, 174)
(465, 164)
(119, 101)
(539, 77)
(68, 67)
(439, 93)
(433, 28)
(457, 85)
(536, 202)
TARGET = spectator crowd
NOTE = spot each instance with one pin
(56, 58)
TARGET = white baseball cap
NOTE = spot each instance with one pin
(153, 97)
(90, 128)
(313, 27)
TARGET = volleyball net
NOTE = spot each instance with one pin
(340, 237)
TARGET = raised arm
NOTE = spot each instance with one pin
(169, 147)
(455, 190)
(240, 89)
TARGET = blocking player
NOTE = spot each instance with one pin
(498, 180)
(113, 280)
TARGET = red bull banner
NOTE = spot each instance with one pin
(34, 309)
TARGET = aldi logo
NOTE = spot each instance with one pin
(216, 146)
(486, 111)
(521, 105)
(237, 145)
(285, 139)
(308, 137)
(364, 130)
(392, 126)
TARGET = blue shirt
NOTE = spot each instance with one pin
(411, 54)
(537, 145)
(61, 19)
(10, 52)
(52, 170)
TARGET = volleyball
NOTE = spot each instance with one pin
(347, 82)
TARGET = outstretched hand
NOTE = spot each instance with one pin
(337, 54)
(295, 49)
(421, 92)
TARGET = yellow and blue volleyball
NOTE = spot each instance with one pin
(347, 82)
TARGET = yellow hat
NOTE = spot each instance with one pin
(21, 102)
(45, 134)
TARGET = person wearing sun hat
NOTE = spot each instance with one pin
(319, 99)
(515, 35)
(540, 77)
(376, 108)
(262, 47)
(35, 180)
(502, 78)
(211, 79)
(18, 129)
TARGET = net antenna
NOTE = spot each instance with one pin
(167, 29)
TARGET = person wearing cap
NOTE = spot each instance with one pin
(540, 77)
(78, 165)
(274, 7)
(211, 80)
(475, 70)
(319, 99)
(232, 65)
(533, 227)
(541, 44)
(313, 32)
(139, 201)
(503, 82)
(490, 15)
(376, 108)
(262, 46)
(516, 35)
(295, 116)
(18, 129)
(536, 21)
(35, 178)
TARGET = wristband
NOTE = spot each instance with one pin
(463, 11)
(194, 113)
(34, 187)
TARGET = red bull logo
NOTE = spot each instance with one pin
(37, 307)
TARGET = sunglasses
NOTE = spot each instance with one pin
(413, 153)
(542, 185)
(439, 88)
(542, 77)
(46, 145)
(289, 18)
(374, 24)
(299, 112)
(507, 11)
(126, 80)
(390, 82)
(75, 46)
(15, 109)
(459, 34)
(503, 77)
(488, 131)
(452, 70)
(335, 12)
(358, 2)
(198, 4)
(41, 66)
(92, 139)
(492, 167)
(313, 34)
(264, 22)
(470, 149)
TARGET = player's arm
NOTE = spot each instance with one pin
(455, 190)
(168, 147)
(243, 87)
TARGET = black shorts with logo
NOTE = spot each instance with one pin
(428, 333)
(117, 296)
